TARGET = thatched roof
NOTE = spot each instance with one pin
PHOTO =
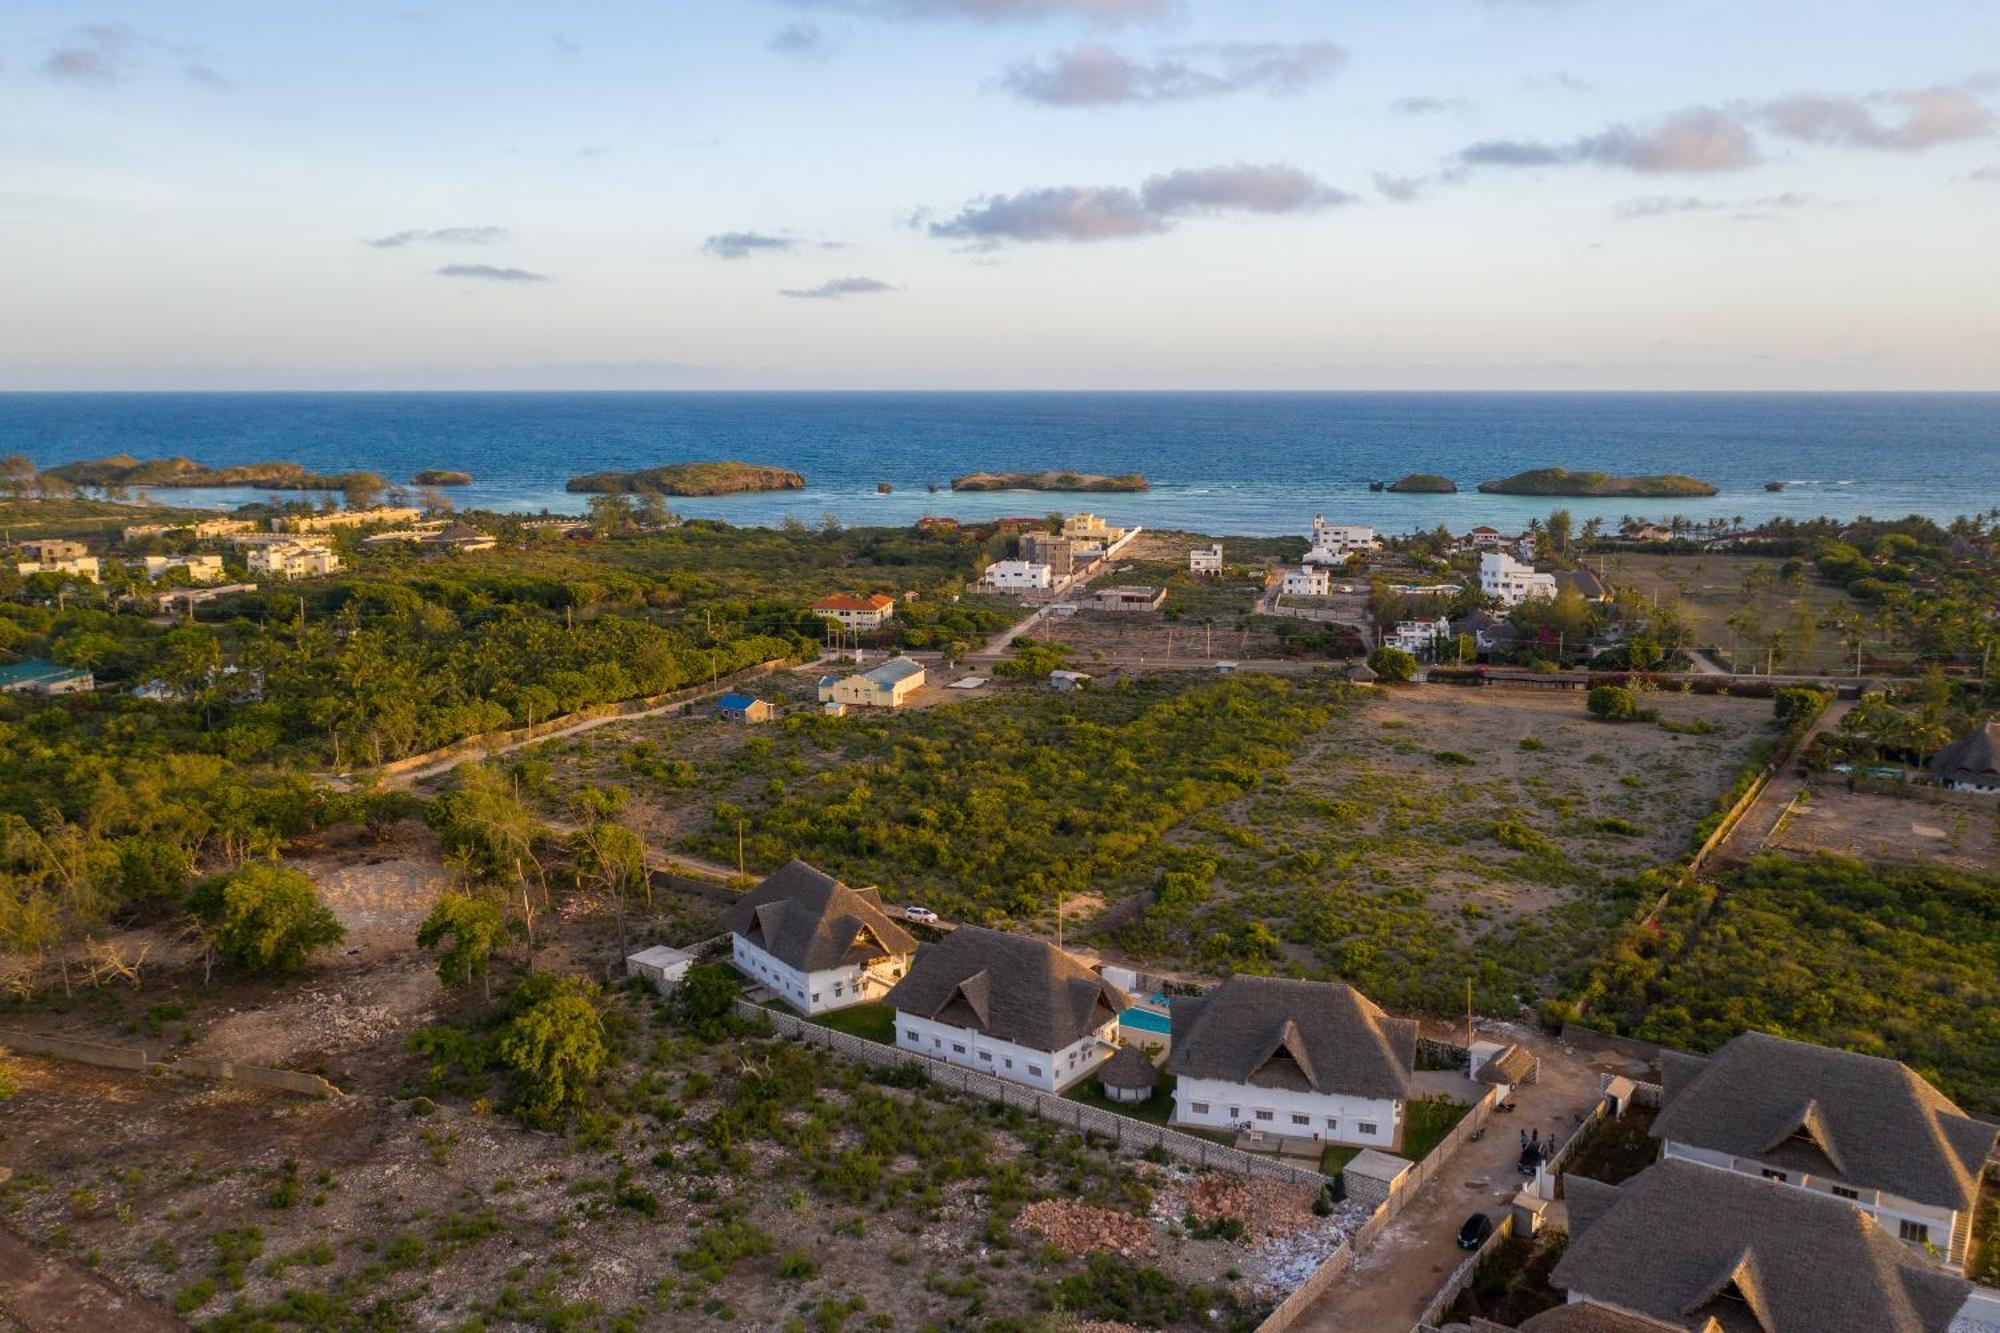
(1132, 1067)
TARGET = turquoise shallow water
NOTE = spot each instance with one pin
(1228, 463)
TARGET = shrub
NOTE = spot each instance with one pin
(1392, 665)
(1798, 705)
(1613, 703)
(264, 917)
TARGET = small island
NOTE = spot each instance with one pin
(441, 476)
(690, 479)
(1424, 483)
(1597, 485)
(1085, 482)
(125, 470)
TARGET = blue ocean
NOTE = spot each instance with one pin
(1251, 464)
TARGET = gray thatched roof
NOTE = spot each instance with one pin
(1583, 1318)
(1132, 1067)
(1304, 1035)
(809, 920)
(1681, 1243)
(1008, 986)
(1973, 758)
(1859, 1119)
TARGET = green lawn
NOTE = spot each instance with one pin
(1335, 1158)
(872, 1022)
(1426, 1123)
(1157, 1109)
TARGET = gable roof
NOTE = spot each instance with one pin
(1973, 758)
(1860, 1119)
(1683, 1243)
(737, 701)
(1008, 986)
(1308, 1036)
(1584, 1318)
(893, 671)
(809, 920)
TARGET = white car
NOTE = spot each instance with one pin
(921, 914)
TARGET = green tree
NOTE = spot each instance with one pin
(555, 1046)
(1613, 703)
(1392, 665)
(264, 917)
(464, 930)
(707, 997)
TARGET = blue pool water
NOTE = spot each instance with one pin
(1145, 1020)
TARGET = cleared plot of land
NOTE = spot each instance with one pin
(1911, 830)
(1438, 835)
(1713, 588)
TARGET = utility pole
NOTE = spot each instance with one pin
(1468, 1021)
(739, 847)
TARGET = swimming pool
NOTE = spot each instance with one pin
(1146, 1020)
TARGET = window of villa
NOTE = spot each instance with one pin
(1034, 1071)
(1915, 1232)
(1770, 1174)
(1265, 1115)
(1365, 1127)
(987, 1056)
(911, 1033)
(1333, 1122)
(1298, 1119)
(958, 1049)
(1199, 1108)
(1842, 1192)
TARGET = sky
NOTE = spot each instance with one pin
(1115, 194)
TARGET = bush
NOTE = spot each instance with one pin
(554, 1044)
(264, 917)
(1392, 665)
(1798, 705)
(1613, 703)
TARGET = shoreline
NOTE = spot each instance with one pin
(1242, 509)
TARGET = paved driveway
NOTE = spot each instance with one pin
(1394, 1278)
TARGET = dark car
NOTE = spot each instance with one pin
(1531, 1158)
(1475, 1231)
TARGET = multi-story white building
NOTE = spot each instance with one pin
(1296, 1059)
(1420, 637)
(79, 566)
(1306, 581)
(1080, 527)
(816, 943)
(1332, 543)
(199, 568)
(1503, 577)
(1858, 1128)
(1010, 1006)
(1018, 576)
(1205, 560)
(344, 518)
(293, 560)
(856, 613)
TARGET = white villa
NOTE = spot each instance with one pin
(1844, 1126)
(1420, 637)
(1332, 543)
(77, 566)
(1504, 577)
(887, 686)
(1083, 527)
(1010, 1006)
(200, 568)
(815, 942)
(1018, 575)
(1306, 581)
(1296, 1059)
(1679, 1247)
(1205, 560)
(293, 560)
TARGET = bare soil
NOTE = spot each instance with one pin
(1914, 829)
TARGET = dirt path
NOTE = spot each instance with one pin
(44, 1294)
(667, 863)
(998, 645)
(1760, 821)
(1394, 1278)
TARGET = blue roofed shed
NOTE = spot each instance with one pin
(743, 708)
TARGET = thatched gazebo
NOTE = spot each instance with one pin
(1129, 1076)
(1972, 762)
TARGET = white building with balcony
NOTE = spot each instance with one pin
(1502, 576)
(815, 943)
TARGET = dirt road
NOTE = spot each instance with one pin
(44, 1294)
(1394, 1278)
(1760, 821)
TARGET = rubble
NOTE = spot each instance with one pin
(1078, 1228)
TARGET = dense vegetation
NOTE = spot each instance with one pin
(1562, 481)
(991, 810)
(1891, 961)
(691, 479)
